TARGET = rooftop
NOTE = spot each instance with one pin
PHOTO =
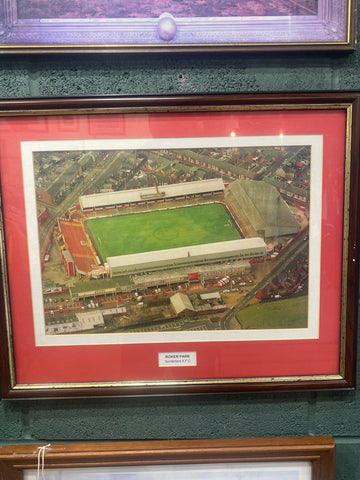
(140, 194)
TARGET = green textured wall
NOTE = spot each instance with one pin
(211, 416)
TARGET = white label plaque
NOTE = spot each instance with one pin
(177, 359)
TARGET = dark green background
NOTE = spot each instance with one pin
(212, 416)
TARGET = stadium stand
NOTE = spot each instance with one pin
(76, 241)
(138, 196)
(183, 256)
(260, 208)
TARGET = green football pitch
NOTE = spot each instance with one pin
(162, 229)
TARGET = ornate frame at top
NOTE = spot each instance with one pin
(331, 27)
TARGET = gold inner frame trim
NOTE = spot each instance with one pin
(170, 383)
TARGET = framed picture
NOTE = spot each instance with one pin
(290, 458)
(111, 26)
(178, 244)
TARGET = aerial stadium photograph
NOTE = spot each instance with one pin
(155, 240)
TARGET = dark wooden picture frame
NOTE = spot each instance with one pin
(37, 362)
(52, 27)
(316, 452)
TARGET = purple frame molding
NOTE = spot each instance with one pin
(332, 28)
